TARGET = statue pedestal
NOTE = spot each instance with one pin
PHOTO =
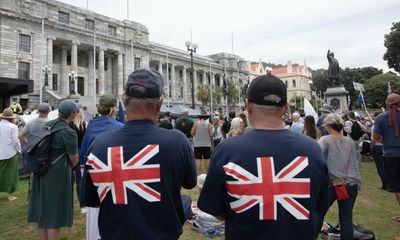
(336, 97)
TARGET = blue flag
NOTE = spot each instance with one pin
(360, 100)
(121, 113)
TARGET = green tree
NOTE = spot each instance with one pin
(377, 86)
(203, 94)
(392, 44)
(360, 75)
(217, 95)
(233, 93)
(319, 79)
(347, 77)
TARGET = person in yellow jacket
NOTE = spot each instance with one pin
(15, 106)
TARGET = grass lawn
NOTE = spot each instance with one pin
(374, 210)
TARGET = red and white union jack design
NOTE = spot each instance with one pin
(117, 176)
(268, 189)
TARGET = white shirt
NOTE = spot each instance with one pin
(9, 143)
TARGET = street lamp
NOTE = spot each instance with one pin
(72, 78)
(191, 47)
(46, 71)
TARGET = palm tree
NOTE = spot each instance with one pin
(233, 93)
(203, 94)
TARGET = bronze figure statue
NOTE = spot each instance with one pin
(333, 70)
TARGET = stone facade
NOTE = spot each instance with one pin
(72, 66)
(297, 79)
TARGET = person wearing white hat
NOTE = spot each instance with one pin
(9, 145)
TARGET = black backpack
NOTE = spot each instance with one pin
(185, 126)
(38, 151)
(356, 131)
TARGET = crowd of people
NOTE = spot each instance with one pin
(268, 175)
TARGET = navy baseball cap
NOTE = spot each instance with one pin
(267, 90)
(67, 107)
(144, 83)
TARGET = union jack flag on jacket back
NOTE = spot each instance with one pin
(135, 175)
(268, 184)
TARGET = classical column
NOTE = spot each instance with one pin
(160, 67)
(49, 62)
(195, 85)
(185, 88)
(221, 85)
(74, 63)
(120, 72)
(173, 90)
(109, 84)
(101, 71)
(90, 74)
(127, 64)
(64, 81)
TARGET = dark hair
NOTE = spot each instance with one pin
(104, 110)
(309, 126)
(167, 114)
(336, 126)
(351, 115)
(232, 114)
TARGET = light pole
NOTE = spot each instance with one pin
(46, 71)
(72, 78)
(191, 47)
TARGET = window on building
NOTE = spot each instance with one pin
(63, 17)
(81, 86)
(24, 69)
(55, 82)
(24, 43)
(105, 65)
(181, 96)
(286, 83)
(112, 31)
(97, 86)
(294, 83)
(69, 59)
(89, 24)
(136, 63)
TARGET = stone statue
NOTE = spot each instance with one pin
(333, 70)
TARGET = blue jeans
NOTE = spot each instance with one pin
(378, 158)
(345, 211)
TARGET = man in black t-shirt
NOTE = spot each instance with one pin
(270, 182)
(226, 127)
(185, 124)
(135, 174)
(166, 122)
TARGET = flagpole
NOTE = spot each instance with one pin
(167, 82)
(94, 72)
(211, 91)
(362, 96)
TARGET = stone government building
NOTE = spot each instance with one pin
(121, 46)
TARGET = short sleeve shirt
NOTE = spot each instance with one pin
(33, 125)
(268, 184)
(135, 175)
(391, 143)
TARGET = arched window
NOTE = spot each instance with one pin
(294, 83)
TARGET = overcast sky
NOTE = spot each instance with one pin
(273, 31)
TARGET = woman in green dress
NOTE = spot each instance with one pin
(9, 145)
(51, 196)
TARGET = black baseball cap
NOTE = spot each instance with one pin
(150, 81)
(267, 90)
